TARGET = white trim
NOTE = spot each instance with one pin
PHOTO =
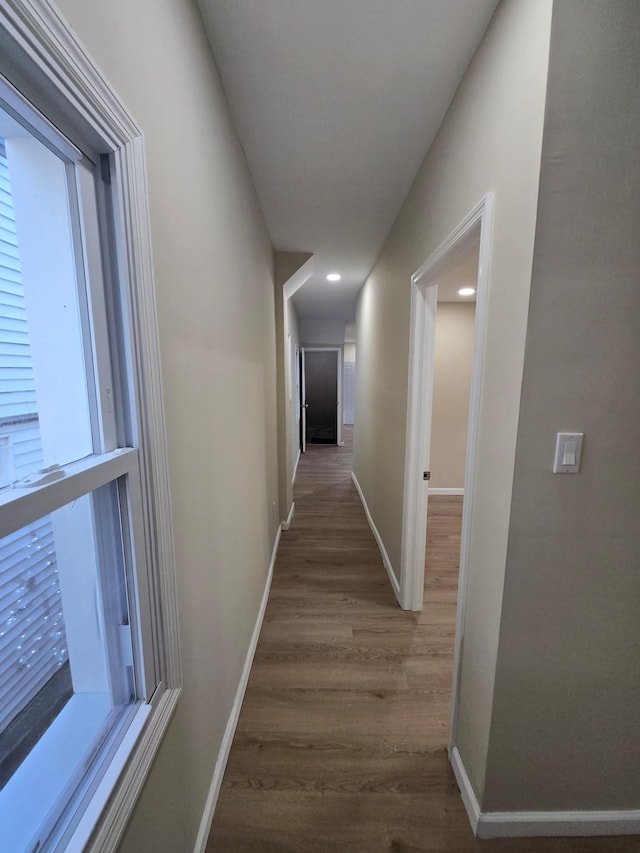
(466, 789)
(420, 390)
(446, 491)
(295, 468)
(108, 783)
(22, 505)
(35, 31)
(419, 411)
(539, 824)
(383, 551)
(339, 350)
(133, 211)
(482, 214)
(232, 722)
(287, 524)
(301, 276)
(418, 439)
(110, 832)
(545, 824)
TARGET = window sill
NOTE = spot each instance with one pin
(32, 792)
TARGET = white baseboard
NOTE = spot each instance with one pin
(446, 491)
(540, 824)
(295, 468)
(383, 551)
(287, 524)
(544, 824)
(466, 789)
(232, 722)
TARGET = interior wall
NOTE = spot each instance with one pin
(453, 356)
(322, 332)
(214, 279)
(565, 727)
(348, 380)
(490, 140)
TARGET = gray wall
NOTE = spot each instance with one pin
(322, 332)
(565, 726)
(213, 268)
(490, 140)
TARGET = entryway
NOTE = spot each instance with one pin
(321, 393)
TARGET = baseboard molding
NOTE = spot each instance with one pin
(295, 468)
(383, 551)
(446, 491)
(540, 824)
(466, 789)
(545, 824)
(232, 722)
(287, 524)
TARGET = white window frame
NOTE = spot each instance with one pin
(38, 39)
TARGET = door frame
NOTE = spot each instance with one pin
(476, 226)
(303, 402)
(338, 350)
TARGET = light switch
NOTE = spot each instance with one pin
(568, 450)
(569, 457)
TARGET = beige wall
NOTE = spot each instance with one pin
(565, 726)
(349, 353)
(490, 141)
(453, 355)
(213, 267)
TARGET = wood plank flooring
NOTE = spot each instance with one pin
(341, 742)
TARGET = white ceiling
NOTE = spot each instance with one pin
(336, 103)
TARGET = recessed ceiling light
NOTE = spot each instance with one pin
(466, 291)
(334, 276)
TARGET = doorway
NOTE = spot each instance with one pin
(474, 229)
(321, 395)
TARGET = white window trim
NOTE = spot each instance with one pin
(36, 30)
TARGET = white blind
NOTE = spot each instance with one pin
(32, 637)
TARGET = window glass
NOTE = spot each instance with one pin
(66, 659)
(74, 671)
(46, 387)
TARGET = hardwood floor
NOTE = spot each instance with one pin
(340, 745)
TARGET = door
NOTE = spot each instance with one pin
(321, 396)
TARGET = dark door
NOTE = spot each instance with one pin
(321, 389)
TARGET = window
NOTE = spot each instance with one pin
(89, 659)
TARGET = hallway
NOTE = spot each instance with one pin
(341, 742)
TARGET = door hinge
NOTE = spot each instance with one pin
(426, 475)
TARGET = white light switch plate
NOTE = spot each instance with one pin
(568, 452)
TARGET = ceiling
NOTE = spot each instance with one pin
(463, 272)
(336, 103)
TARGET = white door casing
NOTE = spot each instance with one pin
(303, 403)
(476, 225)
(339, 401)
